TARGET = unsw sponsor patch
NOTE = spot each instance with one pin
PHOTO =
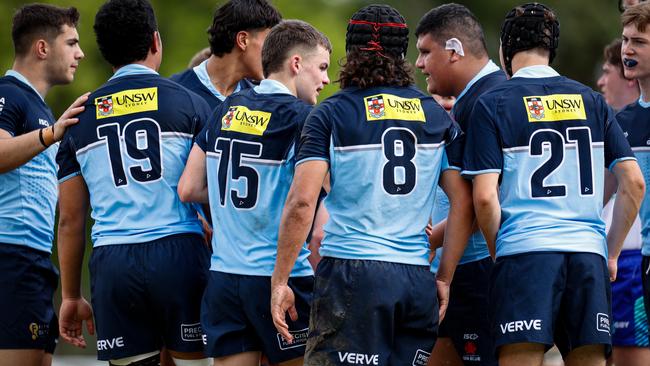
(241, 119)
(388, 106)
(127, 102)
(555, 107)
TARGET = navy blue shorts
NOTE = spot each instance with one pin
(645, 277)
(148, 295)
(27, 283)
(372, 313)
(466, 321)
(630, 324)
(551, 297)
(236, 316)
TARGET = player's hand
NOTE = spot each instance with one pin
(283, 301)
(72, 314)
(612, 266)
(443, 298)
(432, 249)
(67, 118)
(207, 231)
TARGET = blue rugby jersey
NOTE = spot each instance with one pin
(249, 145)
(489, 76)
(28, 194)
(635, 123)
(197, 80)
(131, 145)
(550, 138)
(385, 148)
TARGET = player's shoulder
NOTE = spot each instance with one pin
(184, 76)
(15, 92)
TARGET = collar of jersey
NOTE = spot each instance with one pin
(24, 80)
(201, 71)
(268, 86)
(536, 72)
(642, 103)
(489, 68)
(133, 69)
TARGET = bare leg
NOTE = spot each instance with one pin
(521, 354)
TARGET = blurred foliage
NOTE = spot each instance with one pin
(586, 27)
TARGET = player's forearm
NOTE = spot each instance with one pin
(16, 151)
(294, 227)
(488, 217)
(71, 246)
(626, 207)
(610, 186)
(457, 232)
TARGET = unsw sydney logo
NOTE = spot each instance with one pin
(388, 106)
(555, 107)
(241, 119)
(127, 102)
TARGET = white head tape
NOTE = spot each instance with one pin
(455, 45)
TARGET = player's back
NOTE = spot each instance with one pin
(249, 145)
(555, 135)
(131, 145)
(28, 193)
(387, 144)
(635, 123)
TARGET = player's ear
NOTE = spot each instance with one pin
(41, 49)
(242, 39)
(295, 64)
(156, 42)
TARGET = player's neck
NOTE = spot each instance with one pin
(286, 80)
(644, 85)
(528, 58)
(34, 73)
(224, 73)
(470, 68)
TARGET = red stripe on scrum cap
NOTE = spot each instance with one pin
(378, 25)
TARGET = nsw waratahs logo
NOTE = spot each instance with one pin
(227, 119)
(376, 107)
(105, 106)
(535, 107)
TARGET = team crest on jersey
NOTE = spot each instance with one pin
(226, 122)
(105, 106)
(241, 119)
(535, 107)
(127, 102)
(388, 106)
(555, 107)
(376, 107)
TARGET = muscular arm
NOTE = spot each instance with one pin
(488, 209)
(16, 151)
(296, 221)
(193, 185)
(610, 186)
(631, 189)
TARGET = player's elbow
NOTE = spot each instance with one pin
(633, 185)
(187, 192)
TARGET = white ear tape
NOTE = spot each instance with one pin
(455, 45)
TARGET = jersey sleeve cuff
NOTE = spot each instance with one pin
(69, 176)
(611, 166)
(311, 159)
(452, 167)
(472, 173)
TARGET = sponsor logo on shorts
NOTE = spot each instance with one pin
(421, 358)
(127, 102)
(621, 325)
(299, 339)
(204, 338)
(555, 107)
(2, 103)
(106, 344)
(241, 119)
(39, 330)
(352, 358)
(521, 325)
(469, 352)
(470, 336)
(191, 332)
(388, 106)
(602, 322)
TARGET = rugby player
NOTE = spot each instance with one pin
(252, 135)
(629, 323)
(454, 58)
(635, 118)
(236, 36)
(537, 148)
(149, 264)
(383, 142)
(47, 53)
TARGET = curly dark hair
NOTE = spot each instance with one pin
(35, 21)
(124, 30)
(236, 16)
(369, 69)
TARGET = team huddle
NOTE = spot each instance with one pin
(237, 221)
